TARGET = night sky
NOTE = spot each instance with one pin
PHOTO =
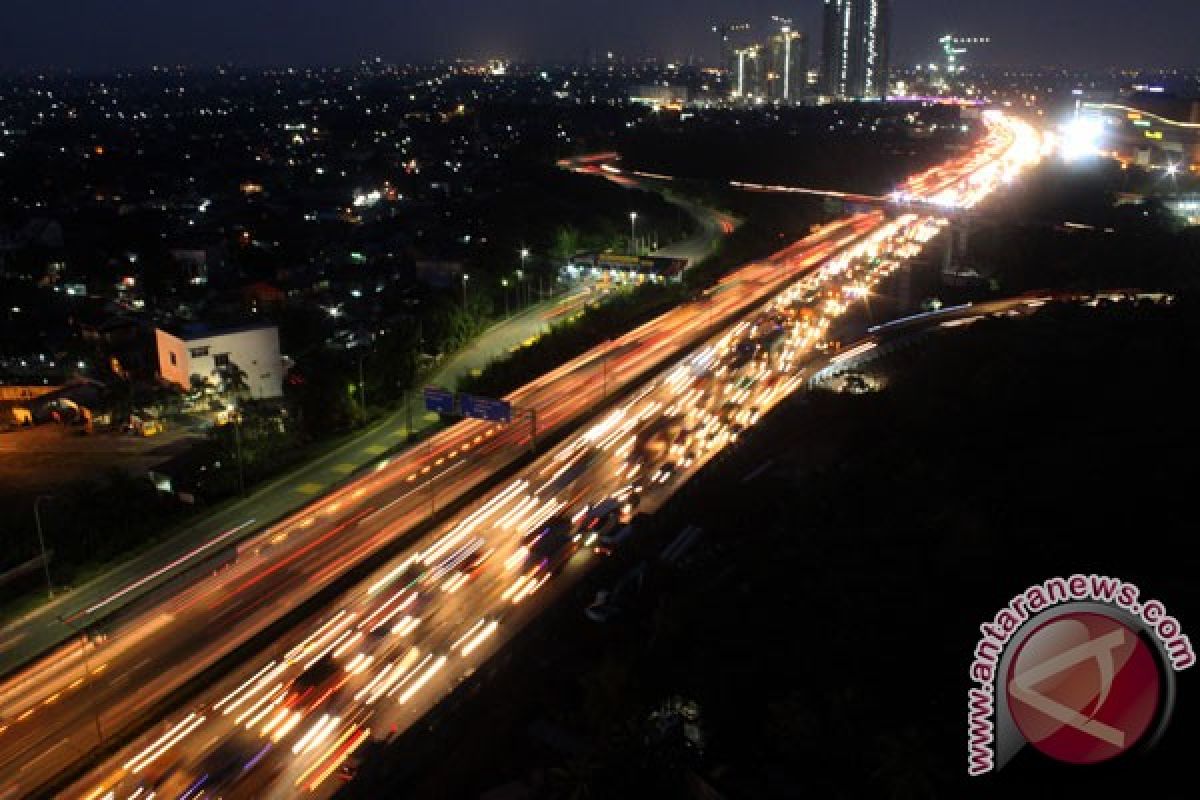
(99, 34)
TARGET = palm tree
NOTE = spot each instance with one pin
(234, 379)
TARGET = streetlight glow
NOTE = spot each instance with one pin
(521, 275)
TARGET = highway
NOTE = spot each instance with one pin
(49, 710)
(38, 632)
(448, 600)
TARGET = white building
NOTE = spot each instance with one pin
(208, 353)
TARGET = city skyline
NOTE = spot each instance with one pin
(1024, 33)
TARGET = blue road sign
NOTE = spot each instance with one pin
(485, 408)
(439, 400)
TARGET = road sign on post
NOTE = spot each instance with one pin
(439, 400)
(485, 408)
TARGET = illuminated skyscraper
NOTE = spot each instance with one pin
(856, 39)
(787, 64)
(749, 73)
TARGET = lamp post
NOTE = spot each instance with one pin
(465, 278)
(607, 351)
(633, 215)
(37, 517)
(362, 384)
(92, 694)
(237, 440)
(521, 271)
(504, 283)
(88, 676)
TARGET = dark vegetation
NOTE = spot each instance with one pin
(1021, 242)
(769, 223)
(864, 149)
(572, 337)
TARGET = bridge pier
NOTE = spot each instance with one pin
(955, 270)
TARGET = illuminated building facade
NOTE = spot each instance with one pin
(855, 57)
(748, 83)
(1147, 130)
(787, 65)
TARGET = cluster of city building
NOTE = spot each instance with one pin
(145, 213)
(854, 56)
(152, 222)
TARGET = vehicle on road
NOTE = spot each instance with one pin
(550, 553)
(609, 542)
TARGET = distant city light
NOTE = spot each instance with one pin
(367, 199)
(1080, 138)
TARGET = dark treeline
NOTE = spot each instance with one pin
(865, 149)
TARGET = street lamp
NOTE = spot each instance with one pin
(362, 384)
(465, 278)
(236, 416)
(504, 283)
(633, 232)
(37, 517)
(521, 272)
(607, 351)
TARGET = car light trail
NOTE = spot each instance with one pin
(416, 685)
(165, 742)
(183, 559)
(587, 489)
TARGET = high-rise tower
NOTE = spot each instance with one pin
(856, 41)
(787, 67)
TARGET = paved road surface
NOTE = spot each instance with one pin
(35, 632)
(387, 651)
(174, 638)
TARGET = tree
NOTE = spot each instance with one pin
(321, 388)
(234, 380)
(391, 367)
(566, 243)
(266, 444)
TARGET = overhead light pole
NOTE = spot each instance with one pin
(362, 384)
(633, 215)
(521, 271)
(465, 278)
(37, 518)
(504, 283)
(237, 440)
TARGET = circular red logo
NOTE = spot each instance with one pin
(1083, 688)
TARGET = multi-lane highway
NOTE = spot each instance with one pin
(49, 711)
(386, 650)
